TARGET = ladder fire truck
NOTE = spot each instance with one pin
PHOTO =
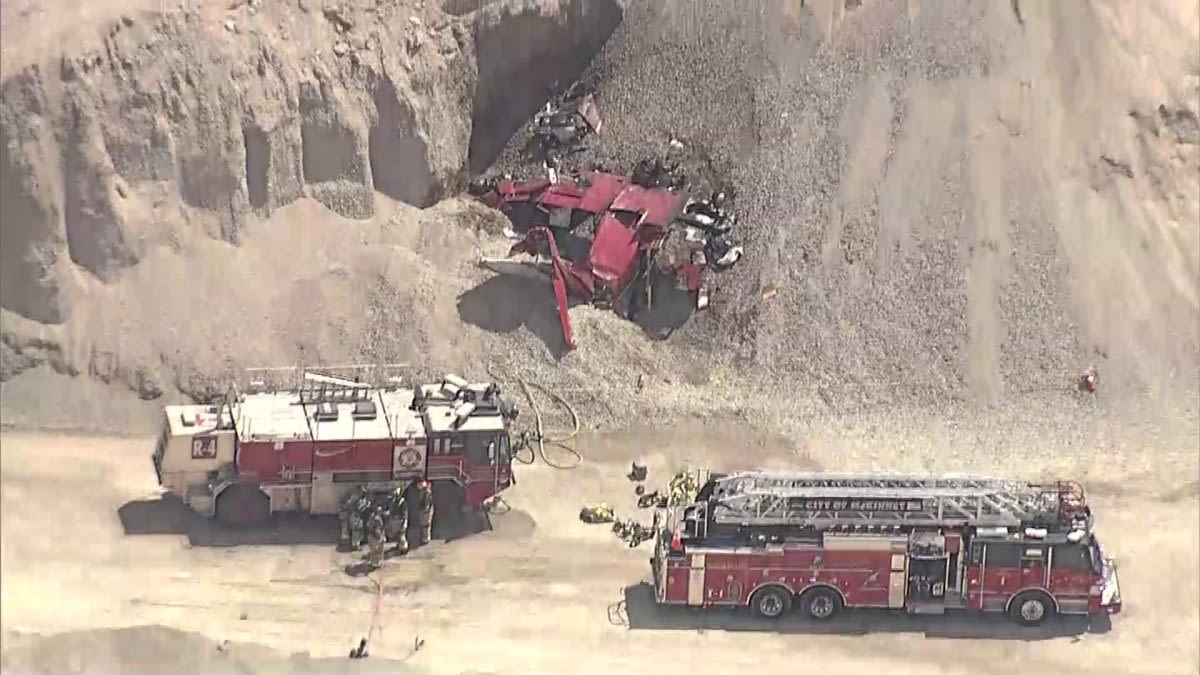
(824, 542)
(303, 448)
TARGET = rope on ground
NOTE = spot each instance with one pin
(375, 625)
(539, 434)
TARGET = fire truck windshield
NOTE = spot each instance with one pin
(484, 450)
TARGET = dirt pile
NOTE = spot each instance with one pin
(162, 141)
(968, 204)
(969, 201)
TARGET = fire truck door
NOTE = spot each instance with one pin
(696, 580)
(660, 568)
(325, 494)
(1034, 571)
(898, 580)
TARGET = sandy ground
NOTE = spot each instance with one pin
(541, 588)
(1004, 194)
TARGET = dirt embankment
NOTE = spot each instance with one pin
(969, 200)
(965, 203)
(175, 132)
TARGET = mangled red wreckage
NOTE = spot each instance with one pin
(604, 237)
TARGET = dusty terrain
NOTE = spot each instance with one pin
(962, 206)
(529, 595)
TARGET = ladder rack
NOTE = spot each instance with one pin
(823, 500)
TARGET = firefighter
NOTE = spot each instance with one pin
(676, 491)
(682, 488)
(425, 495)
(375, 538)
(397, 530)
(346, 516)
(355, 517)
(359, 517)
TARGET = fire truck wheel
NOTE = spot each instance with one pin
(821, 604)
(771, 602)
(243, 506)
(1032, 608)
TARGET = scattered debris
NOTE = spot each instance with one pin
(632, 532)
(338, 16)
(578, 234)
(1089, 381)
(564, 123)
(597, 514)
(627, 530)
(360, 652)
(637, 472)
(651, 500)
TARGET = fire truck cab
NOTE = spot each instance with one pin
(823, 542)
(303, 449)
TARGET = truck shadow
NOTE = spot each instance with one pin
(639, 611)
(168, 515)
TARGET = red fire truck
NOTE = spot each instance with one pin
(824, 542)
(302, 449)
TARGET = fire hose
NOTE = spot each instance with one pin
(539, 435)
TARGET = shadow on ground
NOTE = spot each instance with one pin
(638, 611)
(168, 515)
(506, 302)
(670, 308)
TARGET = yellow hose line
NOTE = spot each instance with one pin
(539, 431)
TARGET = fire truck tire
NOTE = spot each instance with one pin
(1031, 608)
(243, 506)
(821, 604)
(771, 602)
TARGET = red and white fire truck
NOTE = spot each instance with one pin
(824, 542)
(304, 448)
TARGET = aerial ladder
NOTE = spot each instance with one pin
(820, 501)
